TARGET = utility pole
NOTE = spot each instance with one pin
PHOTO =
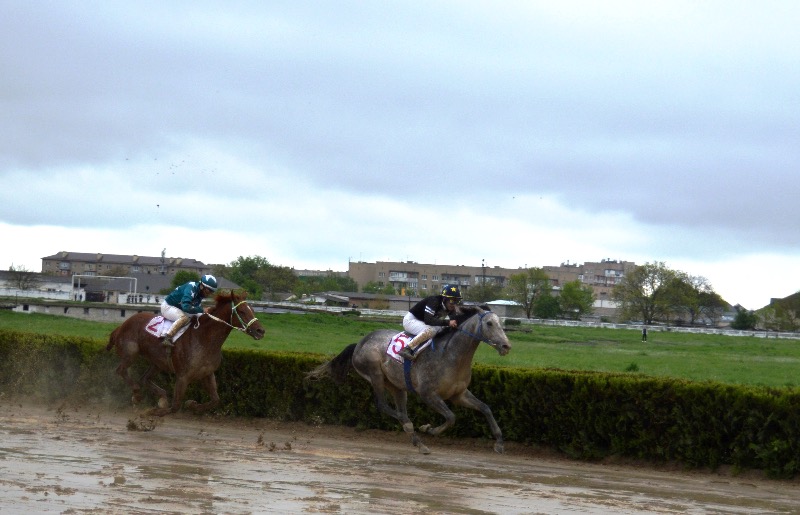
(483, 281)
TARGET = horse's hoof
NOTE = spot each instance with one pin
(499, 448)
(163, 403)
(423, 449)
(408, 427)
(424, 429)
(190, 404)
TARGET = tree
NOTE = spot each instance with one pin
(693, 299)
(378, 288)
(745, 320)
(329, 282)
(484, 292)
(182, 277)
(256, 275)
(647, 293)
(782, 314)
(546, 306)
(221, 271)
(576, 299)
(526, 287)
(22, 278)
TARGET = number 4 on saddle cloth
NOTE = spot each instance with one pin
(159, 326)
(399, 341)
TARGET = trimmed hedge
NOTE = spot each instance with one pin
(585, 415)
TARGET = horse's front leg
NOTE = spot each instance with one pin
(468, 400)
(210, 385)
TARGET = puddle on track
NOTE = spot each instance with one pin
(88, 460)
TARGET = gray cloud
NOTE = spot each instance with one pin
(682, 118)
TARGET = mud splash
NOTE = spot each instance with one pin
(84, 460)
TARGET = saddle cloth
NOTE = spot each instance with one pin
(158, 326)
(398, 342)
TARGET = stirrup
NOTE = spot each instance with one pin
(407, 353)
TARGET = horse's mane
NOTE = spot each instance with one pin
(229, 296)
(466, 312)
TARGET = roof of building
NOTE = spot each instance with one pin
(125, 259)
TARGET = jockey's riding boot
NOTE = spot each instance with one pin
(409, 351)
(177, 324)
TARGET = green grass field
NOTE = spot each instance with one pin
(696, 357)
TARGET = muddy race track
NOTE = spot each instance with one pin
(63, 459)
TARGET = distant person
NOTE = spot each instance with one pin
(185, 300)
(644, 333)
(427, 318)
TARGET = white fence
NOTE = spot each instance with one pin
(562, 323)
(37, 294)
(401, 313)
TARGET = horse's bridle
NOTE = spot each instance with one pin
(244, 326)
(479, 336)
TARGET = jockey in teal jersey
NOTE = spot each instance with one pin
(184, 301)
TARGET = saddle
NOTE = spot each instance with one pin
(398, 343)
(158, 327)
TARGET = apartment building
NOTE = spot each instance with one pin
(426, 279)
(83, 263)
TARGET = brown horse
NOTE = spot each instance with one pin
(196, 356)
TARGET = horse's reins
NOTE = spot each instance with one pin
(479, 336)
(244, 327)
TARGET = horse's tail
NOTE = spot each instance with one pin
(337, 368)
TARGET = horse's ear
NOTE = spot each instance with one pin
(223, 295)
(464, 313)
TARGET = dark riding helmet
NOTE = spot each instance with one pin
(209, 281)
(451, 291)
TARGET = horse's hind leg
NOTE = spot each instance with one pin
(160, 393)
(122, 370)
(210, 384)
(401, 402)
(468, 400)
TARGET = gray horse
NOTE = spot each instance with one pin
(440, 373)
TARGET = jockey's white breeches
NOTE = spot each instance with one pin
(171, 312)
(413, 325)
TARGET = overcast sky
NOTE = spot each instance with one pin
(521, 133)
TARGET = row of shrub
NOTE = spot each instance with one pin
(584, 415)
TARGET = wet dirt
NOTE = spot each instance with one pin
(78, 460)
